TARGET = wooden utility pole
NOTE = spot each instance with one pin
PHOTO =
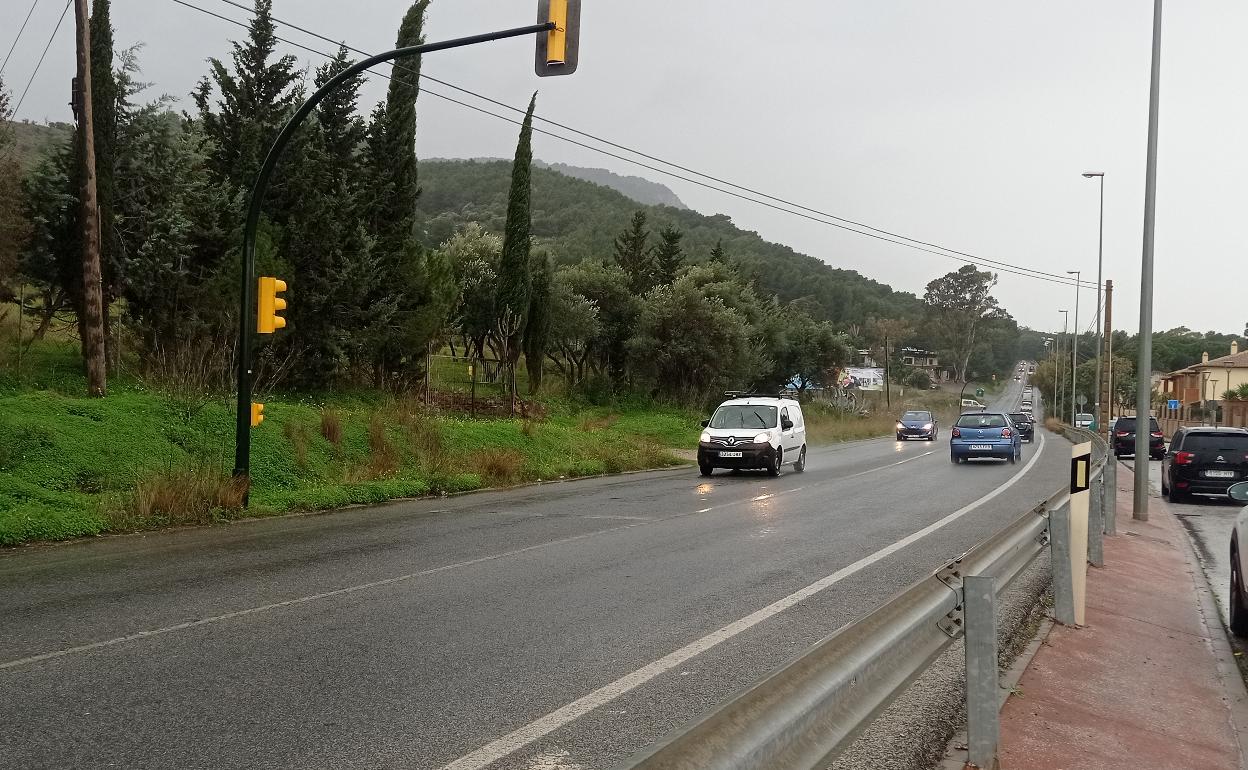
(92, 290)
(1106, 411)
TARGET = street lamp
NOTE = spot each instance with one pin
(1057, 363)
(1074, 346)
(1100, 282)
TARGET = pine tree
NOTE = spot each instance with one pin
(253, 101)
(668, 256)
(537, 328)
(632, 254)
(513, 268)
(717, 253)
(14, 227)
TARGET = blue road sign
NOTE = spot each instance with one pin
(1173, 404)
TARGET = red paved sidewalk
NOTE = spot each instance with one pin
(1148, 683)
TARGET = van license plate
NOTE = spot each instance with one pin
(981, 447)
(730, 454)
(1220, 474)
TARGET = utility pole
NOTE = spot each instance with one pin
(92, 291)
(1144, 366)
(1105, 394)
(888, 392)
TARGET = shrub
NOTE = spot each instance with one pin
(499, 467)
(331, 427)
(182, 496)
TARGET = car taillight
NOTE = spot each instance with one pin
(1156, 434)
(1005, 433)
(1122, 433)
(1184, 458)
(957, 433)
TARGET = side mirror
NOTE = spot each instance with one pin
(1239, 492)
(706, 423)
(786, 423)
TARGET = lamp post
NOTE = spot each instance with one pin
(1074, 347)
(1229, 363)
(1100, 333)
(1057, 366)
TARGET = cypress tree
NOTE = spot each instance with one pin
(717, 254)
(513, 268)
(104, 113)
(537, 328)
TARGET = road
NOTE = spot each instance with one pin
(555, 626)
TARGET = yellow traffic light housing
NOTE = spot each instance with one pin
(257, 414)
(268, 304)
(558, 49)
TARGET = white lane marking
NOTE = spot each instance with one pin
(496, 750)
(375, 584)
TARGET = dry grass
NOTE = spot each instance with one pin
(183, 496)
(331, 427)
(1053, 424)
(426, 442)
(297, 436)
(591, 424)
(383, 458)
(498, 467)
(834, 429)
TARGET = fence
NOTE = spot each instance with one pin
(808, 712)
(1227, 414)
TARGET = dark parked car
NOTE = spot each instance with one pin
(917, 424)
(1204, 461)
(1124, 438)
(1026, 427)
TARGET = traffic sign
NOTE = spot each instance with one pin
(1173, 404)
(979, 392)
(1081, 400)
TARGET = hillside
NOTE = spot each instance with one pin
(33, 138)
(639, 189)
(576, 220)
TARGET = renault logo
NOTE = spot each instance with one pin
(1221, 459)
(732, 440)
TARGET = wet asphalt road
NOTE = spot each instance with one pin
(557, 626)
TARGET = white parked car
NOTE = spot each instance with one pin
(1239, 540)
(1083, 420)
(970, 403)
(764, 432)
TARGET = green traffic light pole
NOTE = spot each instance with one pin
(246, 320)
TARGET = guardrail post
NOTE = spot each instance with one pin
(1059, 558)
(983, 692)
(1110, 504)
(1096, 524)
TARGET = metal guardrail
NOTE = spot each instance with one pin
(808, 712)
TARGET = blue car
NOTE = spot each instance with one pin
(985, 434)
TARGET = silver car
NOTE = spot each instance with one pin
(1239, 535)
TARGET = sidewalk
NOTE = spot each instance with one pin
(1149, 682)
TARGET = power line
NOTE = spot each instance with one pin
(39, 64)
(654, 158)
(880, 235)
(5, 63)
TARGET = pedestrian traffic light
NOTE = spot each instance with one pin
(558, 49)
(257, 414)
(268, 304)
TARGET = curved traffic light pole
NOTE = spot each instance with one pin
(242, 431)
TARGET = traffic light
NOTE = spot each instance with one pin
(558, 49)
(268, 304)
(257, 414)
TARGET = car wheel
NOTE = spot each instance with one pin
(900, 437)
(1013, 457)
(705, 470)
(954, 459)
(1178, 496)
(774, 468)
(1239, 614)
(932, 437)
(800, 465)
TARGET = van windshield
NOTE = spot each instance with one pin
(744, 416)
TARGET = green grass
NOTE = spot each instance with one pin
(72, 466)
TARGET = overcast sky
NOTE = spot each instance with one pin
(965, 124)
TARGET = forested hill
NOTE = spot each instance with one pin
(577, 220)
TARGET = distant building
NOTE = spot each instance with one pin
(926, 360)
(1208, 380)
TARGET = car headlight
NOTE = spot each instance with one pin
(705, 438)
(762, 438)
(900, 426)
(927, 426)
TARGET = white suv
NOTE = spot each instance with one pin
(754, 432)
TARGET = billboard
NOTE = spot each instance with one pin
(863, 378)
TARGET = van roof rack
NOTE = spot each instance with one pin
(755, 394)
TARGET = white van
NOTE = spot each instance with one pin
(764, 432)
(970, 403)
